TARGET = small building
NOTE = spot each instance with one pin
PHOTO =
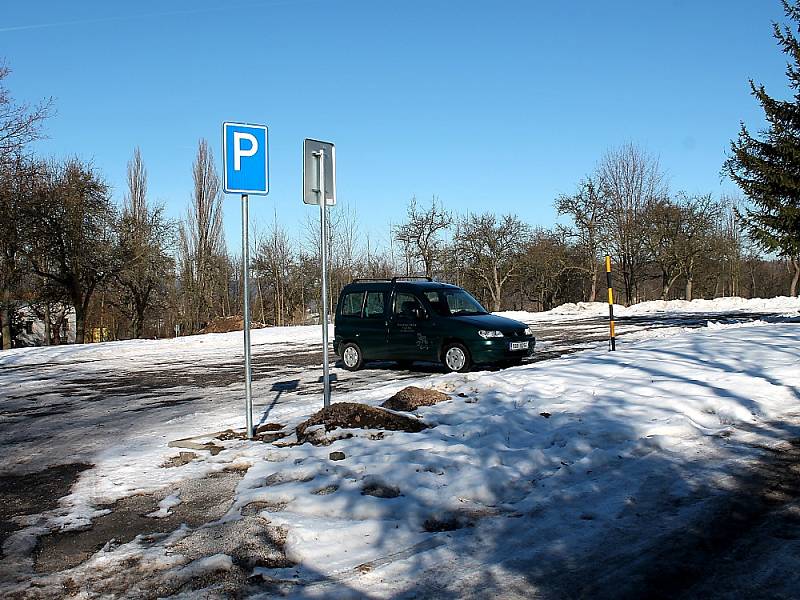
(28, 327)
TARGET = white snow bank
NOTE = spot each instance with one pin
(143, 352)
(228, 346)
(781, 304)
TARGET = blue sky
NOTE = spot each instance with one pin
(497, 106)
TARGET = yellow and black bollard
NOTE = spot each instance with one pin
(612, 345)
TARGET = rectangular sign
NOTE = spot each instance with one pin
(311, 154)
(244, 152)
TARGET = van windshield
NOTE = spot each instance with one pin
(453, 302)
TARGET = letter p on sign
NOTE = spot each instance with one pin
(244, 149)
(239, 152)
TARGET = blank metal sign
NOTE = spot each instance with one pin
(311, 171)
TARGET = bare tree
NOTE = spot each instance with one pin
(72, 241)
(345, 251)
(420, 234)
(17, 182)
(697, 236)
(378, 260)
(733, 242)
(663, 237)
(491, 249)
(202, 241)
(586, 208)
(631, 180)
(145, 236)
(345, 248)
(273, 264)
(20, 124)
(545, 265)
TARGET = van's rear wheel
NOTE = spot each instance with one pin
(351, 357)
(456, 358)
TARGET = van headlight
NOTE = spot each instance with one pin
(528, 331)
(486, 334)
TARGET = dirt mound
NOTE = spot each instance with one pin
(350, 415)
(410, 398)
(228, 324)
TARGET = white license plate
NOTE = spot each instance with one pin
(519, 345)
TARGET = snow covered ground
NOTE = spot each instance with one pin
(551, 478)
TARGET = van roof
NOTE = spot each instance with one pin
(397, 284)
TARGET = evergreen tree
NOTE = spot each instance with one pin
(767, 167)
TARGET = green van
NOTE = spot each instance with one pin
(403, 319)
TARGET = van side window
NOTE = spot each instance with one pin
(404, 305)
(351, 304)
(373, 309)
(438, 303)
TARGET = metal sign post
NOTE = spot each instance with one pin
(323, 219)
(248, 375)
(245, 158)
(319, 187)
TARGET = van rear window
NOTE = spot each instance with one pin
(351, 304)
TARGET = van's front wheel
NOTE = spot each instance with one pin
(456, 358)
(351, 357)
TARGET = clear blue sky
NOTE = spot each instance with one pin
(496, 106)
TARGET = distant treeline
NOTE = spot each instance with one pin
(128, 271)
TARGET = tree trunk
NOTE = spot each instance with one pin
(80, 324)
(495, 304)
(593, 292)
(689, 287)
(665, 285)
(138, 322)
(6, 326)
(59, 325)
(261, 299)
(667, 282)
(627, 284)
(496, 289)
(47, 325)
(796, 264)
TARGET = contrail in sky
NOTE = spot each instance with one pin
(140, 16)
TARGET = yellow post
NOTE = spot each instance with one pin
(612, 344)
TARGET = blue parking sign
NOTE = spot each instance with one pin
(244, 151)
